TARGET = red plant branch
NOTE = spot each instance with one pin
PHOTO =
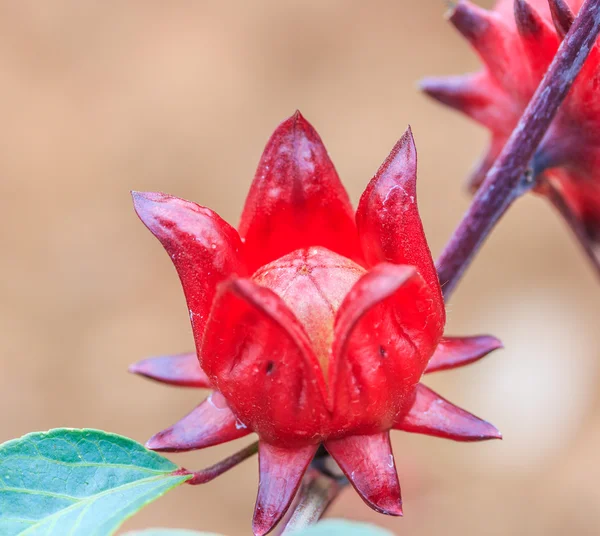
(511, 175)
(212, 472)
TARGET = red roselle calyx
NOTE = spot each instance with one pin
(516, 42)
(313, 325)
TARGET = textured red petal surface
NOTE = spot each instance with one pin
(432, 415)
(204, 248)
(453, 352)
(258, 355)
(181, 369)
(368, 463)
(281, 472)
(296, 199)
(385, 332)
(313, 283)
(388, 220)
(211, 423)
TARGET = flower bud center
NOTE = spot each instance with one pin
(313, 283)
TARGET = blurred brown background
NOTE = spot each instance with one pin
(97, 98)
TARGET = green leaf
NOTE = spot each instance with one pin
(77, 482)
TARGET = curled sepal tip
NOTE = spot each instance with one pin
(204, 248)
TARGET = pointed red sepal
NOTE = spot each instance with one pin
(257, 353)
(562, 16)
(211, 423)
(368, 462)
(388, 220)
(470, 20)
(539, 40)
(473, 94)
(181, 369)
(487, 33)
(296, 199)
(432, 415)
(204, 248)
(385, 331)
(453, 352)
(281, 472)
(528, 21)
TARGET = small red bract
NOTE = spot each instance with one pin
(517, 42)
(312, 326)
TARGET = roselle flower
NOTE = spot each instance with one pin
(313, 326)
(516, 43)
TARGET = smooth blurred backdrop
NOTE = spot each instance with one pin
(98, 98)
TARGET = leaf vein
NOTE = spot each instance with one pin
(93, 498)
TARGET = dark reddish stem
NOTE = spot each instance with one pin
(317, 493)
(210, 473)
(511, 176)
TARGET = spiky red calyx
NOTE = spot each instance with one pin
(315, 326)
(516, 42)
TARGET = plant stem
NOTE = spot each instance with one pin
(317, 493)
(208, 474)
(511, 176)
